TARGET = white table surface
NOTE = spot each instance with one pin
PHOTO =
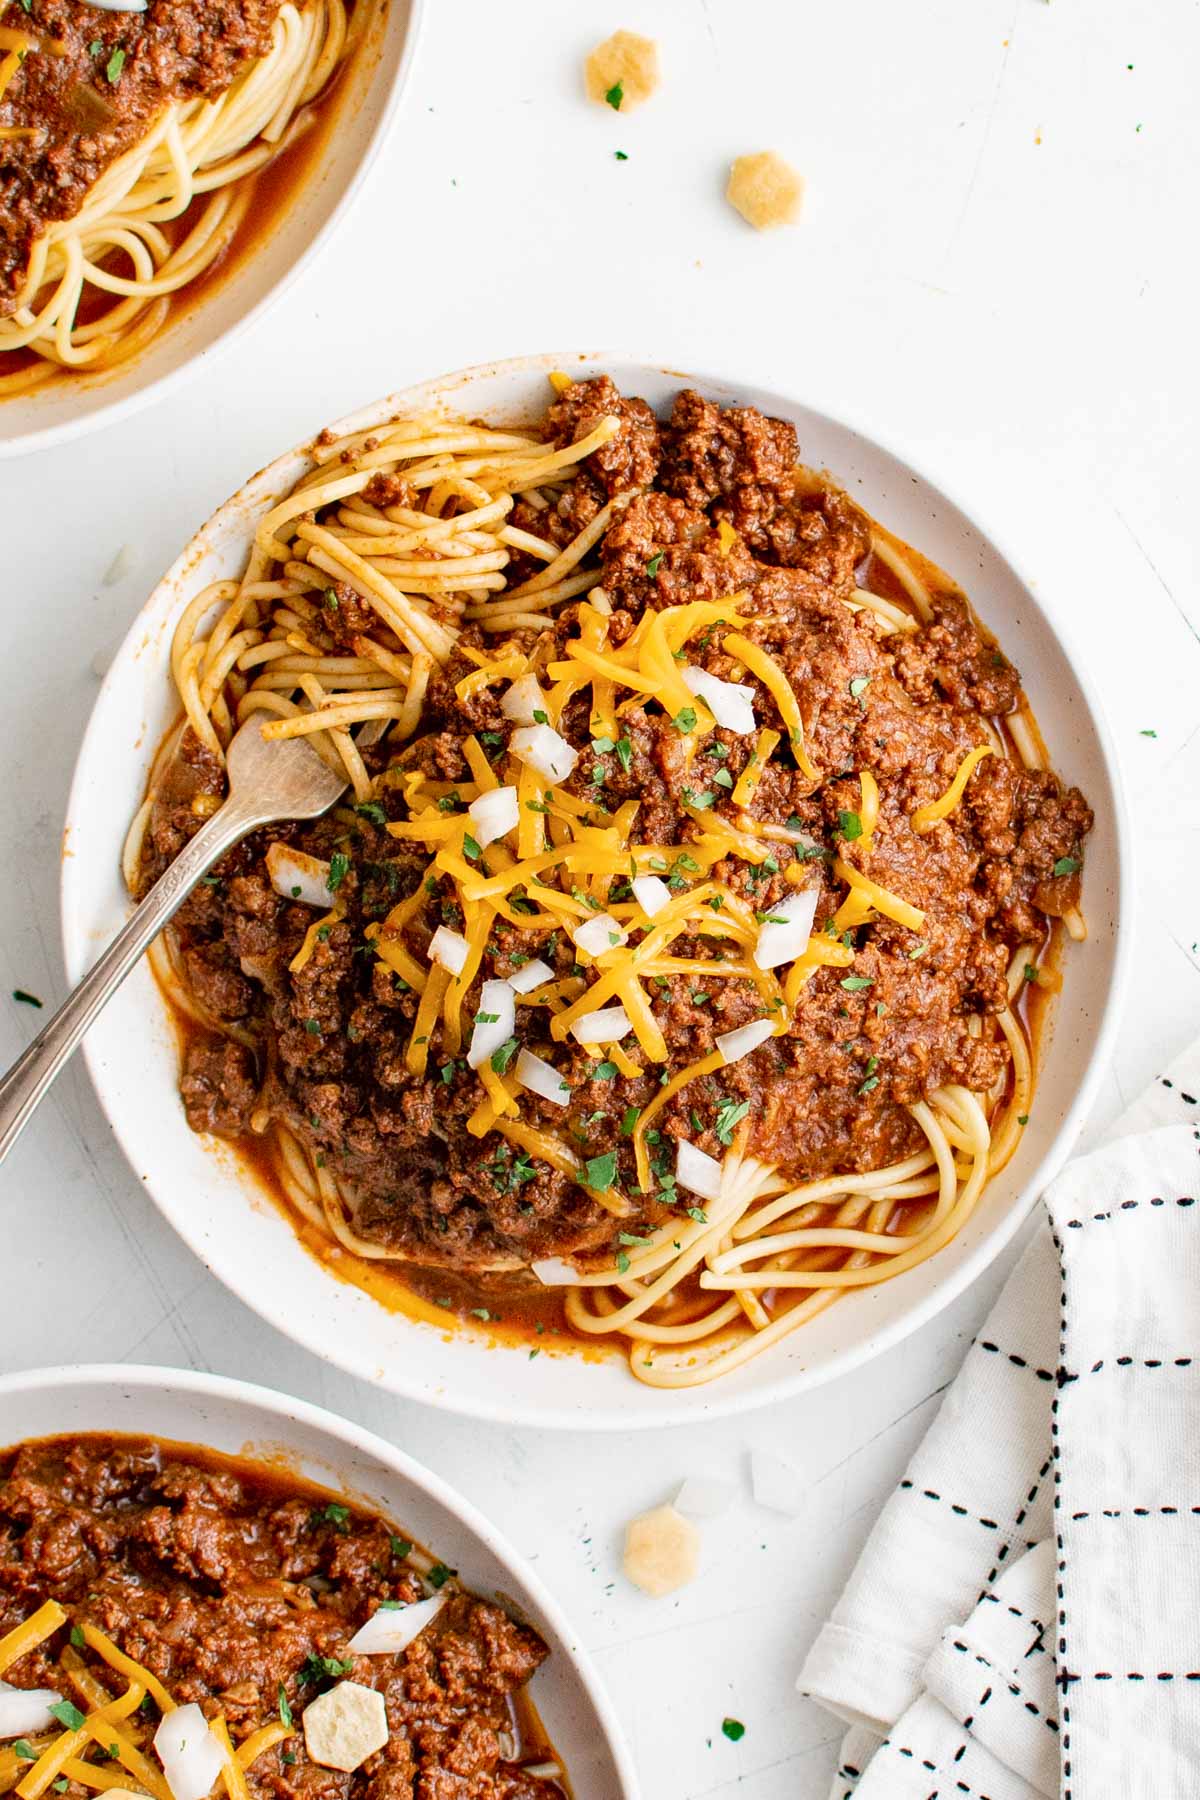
(996, 268)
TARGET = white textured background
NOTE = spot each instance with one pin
(997, 266)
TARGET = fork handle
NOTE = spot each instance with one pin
(23, 1086)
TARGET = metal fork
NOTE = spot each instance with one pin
(269, 779)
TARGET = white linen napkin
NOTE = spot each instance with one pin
(1024, 1621)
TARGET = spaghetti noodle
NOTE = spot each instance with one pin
(167, 120)
(690, 890)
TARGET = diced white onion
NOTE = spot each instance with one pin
(449, 949)
(26, 1711)
(695, 1170)
(608, 1026)
(599, 934)
(733, 1045)
(704, 1497)
(542, 748)
(731, 703)
(777, 1484)
(542, 1078)
(552, 1271)
(522, 700)
(389, 1630)
(651, 893)
(529, 976)
(494, 1022)
(494, 814)
(297, 876)
(789, 926)
(189, 1753)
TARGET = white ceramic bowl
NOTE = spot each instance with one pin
(239, 1419)
(245, 1241)
(367, 102)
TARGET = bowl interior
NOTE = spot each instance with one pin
(245, 1241)
(367, 97)
(237, 1419)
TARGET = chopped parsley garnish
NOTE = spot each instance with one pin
(1067, 865)
(439, 1575)
(331, 599)
(509, 1173)
(26, 999)
(24, 1749)
(730, 1114)
(622, 1263)
(850, 825)
(337, 1516)
(858, 688)
(630, 1119)
(600, 1171)
(401, 1548)
(733, 1729)
(854, 984)
(447, 1072)
(652, 567)
(624, 750)
(685, 721)
(723, 778)
(482, 1018)
(339, 868)
(491, 740)
(66, 1714)
(448, 802)
(698, 1214)
(700, 801)
(604, 1071)
(324, 1668)
(481, 1312)
(116, 63)
(619, 154)
(1031, 972)
(615, 95)
(631, 1237)
(96, 47)
(1145, 733)
(540, 717)
(918, 949)
(313, 1027)
(501, 1058)
(1022, 1118)
(471, 849)
(77, 1638)
(285, 1710)
(371, 809)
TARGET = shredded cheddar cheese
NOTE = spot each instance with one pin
(30, 1633)
(773, 678)
(752, 774)
(926, 817)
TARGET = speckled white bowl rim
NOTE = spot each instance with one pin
(242, 1237)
